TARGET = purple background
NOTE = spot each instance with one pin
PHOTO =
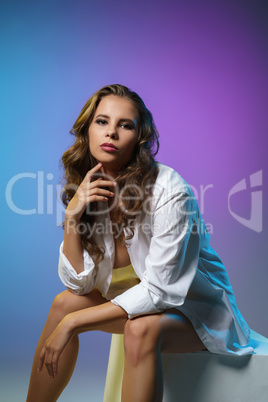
(201, 68)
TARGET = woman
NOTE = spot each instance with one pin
(135, 258)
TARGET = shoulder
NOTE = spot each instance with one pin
(170, 181)
(170, 185)
(173, 197)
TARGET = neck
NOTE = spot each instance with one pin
(110, 172)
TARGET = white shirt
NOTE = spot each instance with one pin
(171, 255)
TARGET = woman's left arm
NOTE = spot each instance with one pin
(88, 319)
(172, 259)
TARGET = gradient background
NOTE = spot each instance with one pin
(201, 68)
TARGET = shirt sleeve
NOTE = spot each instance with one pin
(81, 283)
(171, 263)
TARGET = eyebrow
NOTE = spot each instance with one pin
(107, 117)
(103, 115)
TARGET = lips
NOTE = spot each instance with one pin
(107, 146)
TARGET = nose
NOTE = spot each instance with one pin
(112, 132)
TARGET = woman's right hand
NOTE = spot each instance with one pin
(87, 192)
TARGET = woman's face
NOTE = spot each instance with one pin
(113, 132)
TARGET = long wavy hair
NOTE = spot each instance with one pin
(136, 177)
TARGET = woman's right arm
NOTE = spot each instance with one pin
(86, 193)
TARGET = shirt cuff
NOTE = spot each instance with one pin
(138, 300)
(81, 283)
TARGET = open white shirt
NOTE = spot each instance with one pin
(170, 253)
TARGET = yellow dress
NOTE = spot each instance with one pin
(122, 279)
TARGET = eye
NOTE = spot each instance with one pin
(101, 122)
(127, 126)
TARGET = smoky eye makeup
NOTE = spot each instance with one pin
(101, 122)
(128, 126)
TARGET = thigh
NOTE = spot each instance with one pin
(67, 302)
(178, 334)
(173, 331)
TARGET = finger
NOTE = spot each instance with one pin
(55, 360)
(98, 191)
(49, 369)
(91, 172)
(41, 360)
(101, 182)
(94, 198)
(98, 195)
(88, 191)
(48, 364)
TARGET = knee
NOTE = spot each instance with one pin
(141, 338)
(61, 305)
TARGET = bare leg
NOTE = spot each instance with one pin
(145, 337)
(42, 388)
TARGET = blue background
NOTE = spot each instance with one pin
(201, 68)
